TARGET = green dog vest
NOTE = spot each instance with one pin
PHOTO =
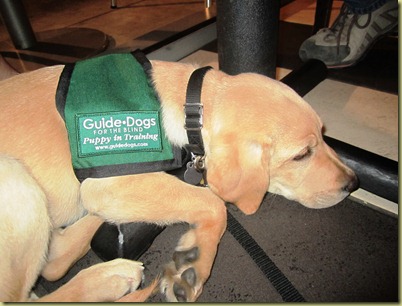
(112, 115)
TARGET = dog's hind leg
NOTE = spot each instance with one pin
(103, 282)
(24, 230)
(163, 199)
(68, 245)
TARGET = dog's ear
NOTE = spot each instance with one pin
(238, 172)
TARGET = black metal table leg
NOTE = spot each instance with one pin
(247, 34)
(17, 24)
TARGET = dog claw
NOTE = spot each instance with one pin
(182, 257)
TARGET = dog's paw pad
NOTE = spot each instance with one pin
(183, 288)
(181, 258)
(180, 285)
(189, 276)
(180, 293)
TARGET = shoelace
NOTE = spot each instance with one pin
(340, 23)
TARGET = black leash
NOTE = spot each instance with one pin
(280, 282)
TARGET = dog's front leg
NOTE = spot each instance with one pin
(68, 245)
(163, 199)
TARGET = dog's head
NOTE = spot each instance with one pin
(263, 137)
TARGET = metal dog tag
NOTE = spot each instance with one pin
(191, 175)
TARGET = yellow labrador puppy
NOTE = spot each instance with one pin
(259, 136)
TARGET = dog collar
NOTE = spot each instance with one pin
(193, 110)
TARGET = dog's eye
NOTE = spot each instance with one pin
(303, 154)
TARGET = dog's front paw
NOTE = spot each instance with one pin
(181, 281)
(194, 256)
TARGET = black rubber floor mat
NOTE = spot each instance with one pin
(346, 253)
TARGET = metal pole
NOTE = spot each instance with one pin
(17, 24)
(322, 15)
(247, 34)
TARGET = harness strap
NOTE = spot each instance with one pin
(280, 282)
(144, 62)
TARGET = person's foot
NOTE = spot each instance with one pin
(350, 37)
(6, 71)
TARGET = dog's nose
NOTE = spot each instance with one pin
(352, 185)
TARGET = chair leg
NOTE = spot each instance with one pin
(113, 4)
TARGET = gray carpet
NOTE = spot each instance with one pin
(347, 253)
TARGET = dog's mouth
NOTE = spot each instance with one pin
(324, 199)
(333, 189)
(316, 200)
